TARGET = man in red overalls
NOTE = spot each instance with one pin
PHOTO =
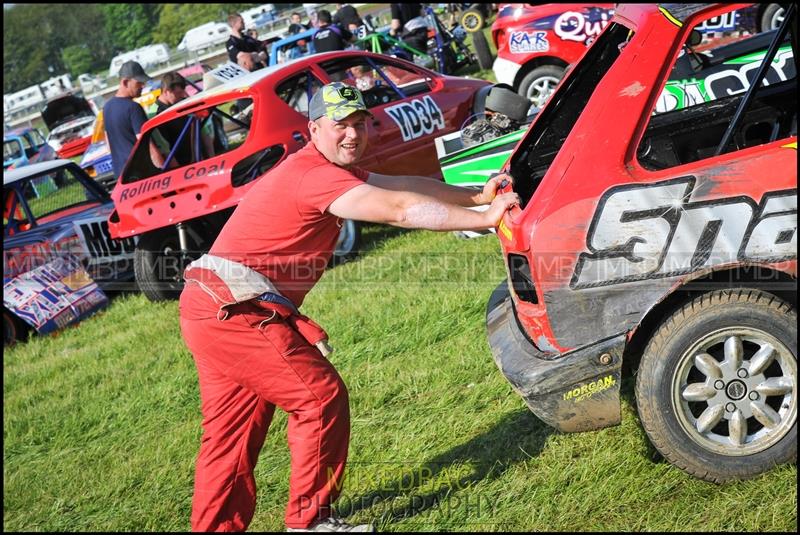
(252, 347)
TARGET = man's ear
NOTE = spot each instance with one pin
(312, 127)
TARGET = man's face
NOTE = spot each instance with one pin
(133, 87)
(176, 94)
(296, 19)
(238, 24)
(341, 142)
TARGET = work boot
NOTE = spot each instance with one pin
(335, 524)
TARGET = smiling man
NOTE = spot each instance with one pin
(252, 347)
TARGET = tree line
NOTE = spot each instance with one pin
(45, 40)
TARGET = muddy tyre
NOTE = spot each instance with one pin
(716, 389)
(158, 263)
(14, 329)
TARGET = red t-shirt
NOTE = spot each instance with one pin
(282, 227)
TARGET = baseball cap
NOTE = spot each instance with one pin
(336, 101)
(131, 69)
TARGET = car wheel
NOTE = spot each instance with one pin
(482, 51)
(472, 20)
(13, 328)
(716, 389)
(348, 242)
(772, 17)
(158, 263)
(538, 85)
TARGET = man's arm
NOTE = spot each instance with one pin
(436, 188)
(414, 210)
(156, 156)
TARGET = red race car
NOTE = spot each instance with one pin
(69, 118)
(664, 240)
(235, 132)
(535, 43)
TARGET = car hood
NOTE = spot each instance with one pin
(73, 126)
(65, 109)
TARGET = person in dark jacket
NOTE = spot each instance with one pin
(346, 16)
(330, 36)
(123, 118)
(240, 43)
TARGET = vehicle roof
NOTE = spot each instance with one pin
(305, 34)
(15, 175)
(18, 131)
(254, 77)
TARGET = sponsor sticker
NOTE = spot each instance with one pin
(653, 231)
(524, 42)
(587, 390)
(53, 295)
(417, 117)
(580, 27)
(97, 240)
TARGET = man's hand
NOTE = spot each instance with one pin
(500, 205)
(491, 188)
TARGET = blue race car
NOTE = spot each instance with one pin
(25, 146)
(57, 252)
(292, 47)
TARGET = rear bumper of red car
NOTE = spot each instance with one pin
(576, 391)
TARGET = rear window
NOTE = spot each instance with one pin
(380, 81)
(55, 191)
(12, 149)
(706, 88)
(191, 138)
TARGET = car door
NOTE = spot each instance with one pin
(296, 91)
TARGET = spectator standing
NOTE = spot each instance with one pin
(330, 36)
(346, 16)
(296, 25)
(173, 90)
(123, 118)
(240, 44)
(401, 14)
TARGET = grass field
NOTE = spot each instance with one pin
(102, 422)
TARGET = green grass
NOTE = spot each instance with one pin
(102, 421)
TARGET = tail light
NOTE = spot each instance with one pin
(522, 278)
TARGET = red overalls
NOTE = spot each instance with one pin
(250, 358)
